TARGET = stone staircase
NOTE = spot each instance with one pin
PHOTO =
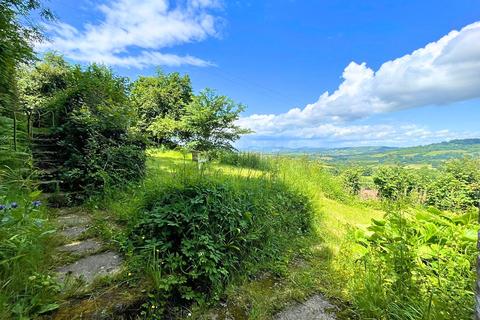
(85, 260)
(91, 259)
(47, 163)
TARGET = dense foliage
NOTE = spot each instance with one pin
(199, 235)
(15, 48)
(454, 186)
(88, 114)
(160, 103)
(417, 264)
(24, 257)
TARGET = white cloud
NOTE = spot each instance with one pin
(328, 135)
(441, 73)
(144, 26)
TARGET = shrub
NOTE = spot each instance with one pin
(201, 234)
(457, 187)
(394, 182)
(351, 179)
(417, 265)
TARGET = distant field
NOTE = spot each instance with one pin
(431, 155)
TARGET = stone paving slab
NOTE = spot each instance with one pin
(315, 308)
(81, 247)
(73, 220)
(73, 232)
(91, 267)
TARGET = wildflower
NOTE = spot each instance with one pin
(129, 274)
(2, 207)
(13, 205)
(36, 203)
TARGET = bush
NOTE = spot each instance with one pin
(86, 116)
(457, 187)
(417, 265)
(394, 182)
(198, 236)
(351, 179)
(245, 160)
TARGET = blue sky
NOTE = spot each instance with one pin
(275, 56)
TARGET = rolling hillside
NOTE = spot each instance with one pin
(432, 154)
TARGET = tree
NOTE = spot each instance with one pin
(209, 123)
(351, 179)
(160, 103)
(17, 32)
(394, 182)
(38, 86)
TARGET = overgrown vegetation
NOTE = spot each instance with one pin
(256, 231)
(245, 160)
(197, 236)
(26, 287)
(416, 264)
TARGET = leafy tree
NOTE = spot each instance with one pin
(39, 85)
(209, 123)
(458, 185)
(351, 179)
(17, 31)
(394, 182)
(160, 103)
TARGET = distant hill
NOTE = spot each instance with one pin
(431, 154)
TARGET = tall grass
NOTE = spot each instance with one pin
(25, 248)
(245, 160)
(346, 256)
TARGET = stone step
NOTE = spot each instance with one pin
(81, 247)
(73, 220)
(91, 267)
(73, 233)
(317, 307)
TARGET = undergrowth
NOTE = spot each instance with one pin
(202, 232)
(26, 287)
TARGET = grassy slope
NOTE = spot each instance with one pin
(314, 269)
(317, 269)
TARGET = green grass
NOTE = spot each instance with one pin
(27, 287)
(321, 261)
(313, 268)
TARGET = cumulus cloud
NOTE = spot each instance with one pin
(145, 26)
(441, 73)
(328, 135)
